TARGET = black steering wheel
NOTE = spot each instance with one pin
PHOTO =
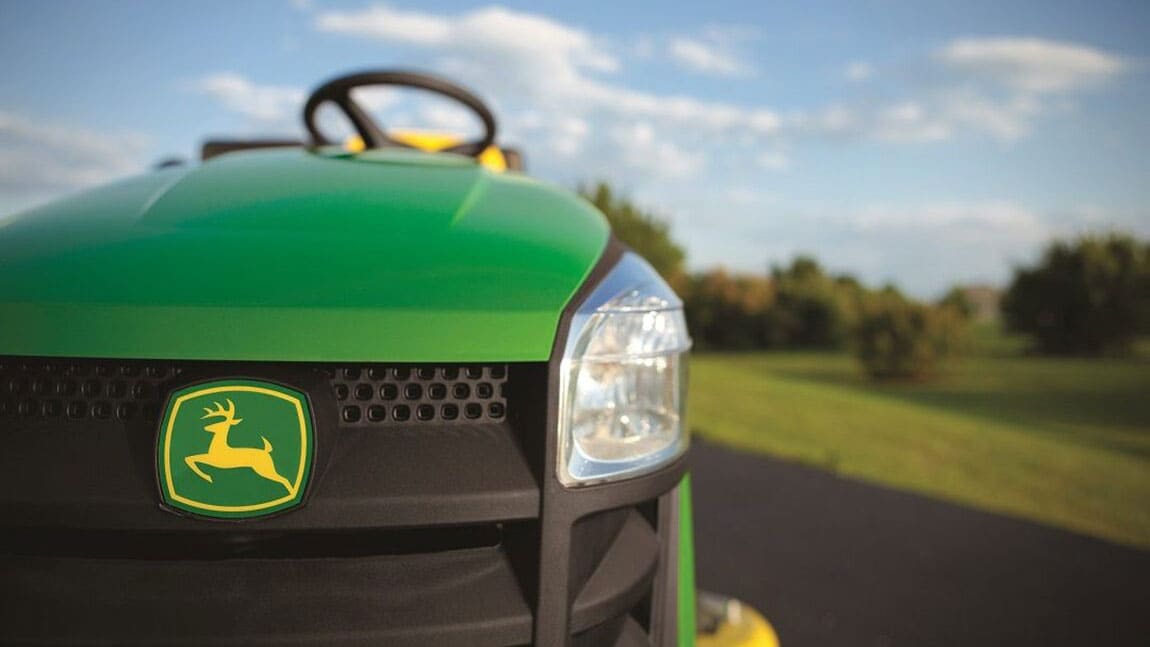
(338, 91)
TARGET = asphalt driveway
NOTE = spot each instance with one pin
(831, 561)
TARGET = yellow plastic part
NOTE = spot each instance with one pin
(433, 142)
(743, 627)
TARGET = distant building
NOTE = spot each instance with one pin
(985, 300)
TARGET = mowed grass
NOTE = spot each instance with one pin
(1059, 441)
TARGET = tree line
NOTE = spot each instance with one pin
(1088, 296)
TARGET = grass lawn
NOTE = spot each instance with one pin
(1060, 441)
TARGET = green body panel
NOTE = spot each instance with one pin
(302, 256)
(686, 610)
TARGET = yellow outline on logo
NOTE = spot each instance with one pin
(303, 447)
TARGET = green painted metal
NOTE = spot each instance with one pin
(302, 256)
(686, 610)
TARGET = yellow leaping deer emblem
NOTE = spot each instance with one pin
(223, 456)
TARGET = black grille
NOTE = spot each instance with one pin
(403, 394)
(368, 395)
(76, 390)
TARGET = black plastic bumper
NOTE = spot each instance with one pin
(462, 597)
(412, 535)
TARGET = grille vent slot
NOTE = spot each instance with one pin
(405, 395)
(82, 390)
(366, 395)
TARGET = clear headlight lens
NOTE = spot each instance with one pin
(623, 379)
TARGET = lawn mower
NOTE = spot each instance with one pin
(378, 390)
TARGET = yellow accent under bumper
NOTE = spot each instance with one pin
(741, 626)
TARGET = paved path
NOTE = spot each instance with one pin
(832, 561)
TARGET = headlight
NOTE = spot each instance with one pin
(623, 379)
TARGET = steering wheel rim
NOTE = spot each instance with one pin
(338, 91)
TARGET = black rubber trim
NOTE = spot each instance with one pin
(622, 578)
(514, 159)
(466, 597)
(212, 546)
(664, 609)
(216, 147)
(632, 635)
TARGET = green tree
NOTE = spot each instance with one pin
(727, 311)
(1089, 296)
(811, 308)
(956, 299)
(897, 338)
(645, 232)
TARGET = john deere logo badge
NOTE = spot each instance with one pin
(235, 449)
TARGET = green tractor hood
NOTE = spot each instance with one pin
(301, 256)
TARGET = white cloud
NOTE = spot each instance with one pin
(859, 71)
(1031, 64)
(553, 85)
(698, 114)
(745, 196)
(39, 159)
(1005, 119)
(569, 135)
(706, 58)
(774, 160)
(557, 69)
(927, 116)
(268, 104)
(979, 217)
(942, 115)
(835, 120)
(996, 87)
(912, 122)
(492, 34)
(927, 246)
(531, 59)
(641, 148)
(390, 24)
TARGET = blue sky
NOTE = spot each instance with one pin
(922, 143)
